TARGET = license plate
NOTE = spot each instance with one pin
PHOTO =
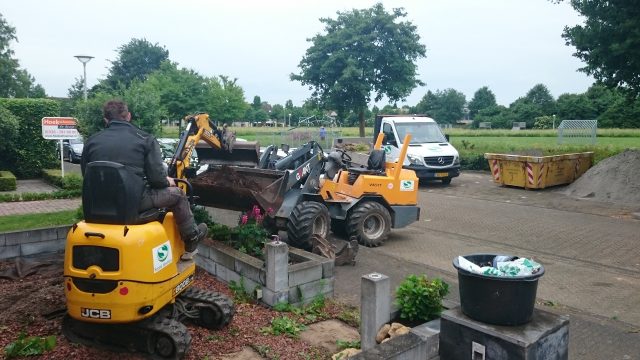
(442, 174)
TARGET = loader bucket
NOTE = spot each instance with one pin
(240, 153)
(237, 188)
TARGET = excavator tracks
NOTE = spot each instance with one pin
(160, 337)
(209, 309)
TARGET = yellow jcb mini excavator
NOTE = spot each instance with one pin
(125, 284)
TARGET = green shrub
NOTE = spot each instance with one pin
(9, 126)
(7, 181)
(471, 161)
(29, 346)
(284, 325)
(420, 298)
(68, 182)
(32, 152)
(60, 194)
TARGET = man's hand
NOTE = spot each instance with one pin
(171, 181)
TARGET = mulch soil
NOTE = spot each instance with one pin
(34, 305)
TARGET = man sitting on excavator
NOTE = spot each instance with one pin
(124, 143)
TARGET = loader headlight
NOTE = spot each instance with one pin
(456, 160)
(415, 160)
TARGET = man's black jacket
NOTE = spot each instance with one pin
(126, 144)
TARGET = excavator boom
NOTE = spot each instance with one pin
(215, 146)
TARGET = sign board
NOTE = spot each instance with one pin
(59, 128)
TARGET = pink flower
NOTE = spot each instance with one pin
(269, 211)
(256, 211)
(244, 219)
(259, 219)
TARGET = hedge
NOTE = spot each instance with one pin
(7, 181)
(32, 152)
(68, 182)
(60, 194)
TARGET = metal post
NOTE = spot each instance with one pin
(61, 158)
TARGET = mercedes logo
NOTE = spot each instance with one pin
(440, 160)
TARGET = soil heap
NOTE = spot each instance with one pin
(615, 179)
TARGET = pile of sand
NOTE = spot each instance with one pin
(615, 179)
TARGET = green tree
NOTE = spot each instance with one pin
(575, 107)
(181, 91)
(14, 82)
(225, 99)
(362, 52)
(482, 99)
(498, 115)
(541, 97)
(608, 41)
(445, 106)
(257, 102)
(136, 59)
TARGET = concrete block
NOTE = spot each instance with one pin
(546, 336)
(223, 255)
(277, 255)
(273, 297)
(222, 273)
(430, 334)
(9, 251)
(375, 306)
(248, 284)
(204, 250)
(207, 264)
(48, 246)
(17, 237)
(62, 231)
(404, 347)
(304, 273)
(251, 268)
(328, 266)
(305, 293)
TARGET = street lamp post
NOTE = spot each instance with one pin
(84, 59)
(289, 119)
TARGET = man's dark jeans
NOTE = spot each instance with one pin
(176, 201)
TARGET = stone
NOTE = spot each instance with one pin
(383, 333)
(345, 354)
(325, 333)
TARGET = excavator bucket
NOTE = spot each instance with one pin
(239, 153)
(236, 188)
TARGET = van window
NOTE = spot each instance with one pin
(388, 132)
(426, 132)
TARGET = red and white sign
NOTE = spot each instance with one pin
(59, 128)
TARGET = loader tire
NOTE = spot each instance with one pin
(307, 218)
(370, 223)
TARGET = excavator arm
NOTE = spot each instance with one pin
(215, 145)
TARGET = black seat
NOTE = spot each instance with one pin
(375, 164)
(111, 194)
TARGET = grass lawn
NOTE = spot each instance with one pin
(33, 221)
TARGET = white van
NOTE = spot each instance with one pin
(429, 154)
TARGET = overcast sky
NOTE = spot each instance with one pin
(507, 45)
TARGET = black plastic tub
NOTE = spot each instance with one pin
(496, 300)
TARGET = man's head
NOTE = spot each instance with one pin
(116, 110)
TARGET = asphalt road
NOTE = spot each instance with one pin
(589, 250)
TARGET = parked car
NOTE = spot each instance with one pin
(71, 149)
(168, 147)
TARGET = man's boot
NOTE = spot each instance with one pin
(191, 242)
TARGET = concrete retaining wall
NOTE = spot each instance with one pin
(33, 242)
(310, 275)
